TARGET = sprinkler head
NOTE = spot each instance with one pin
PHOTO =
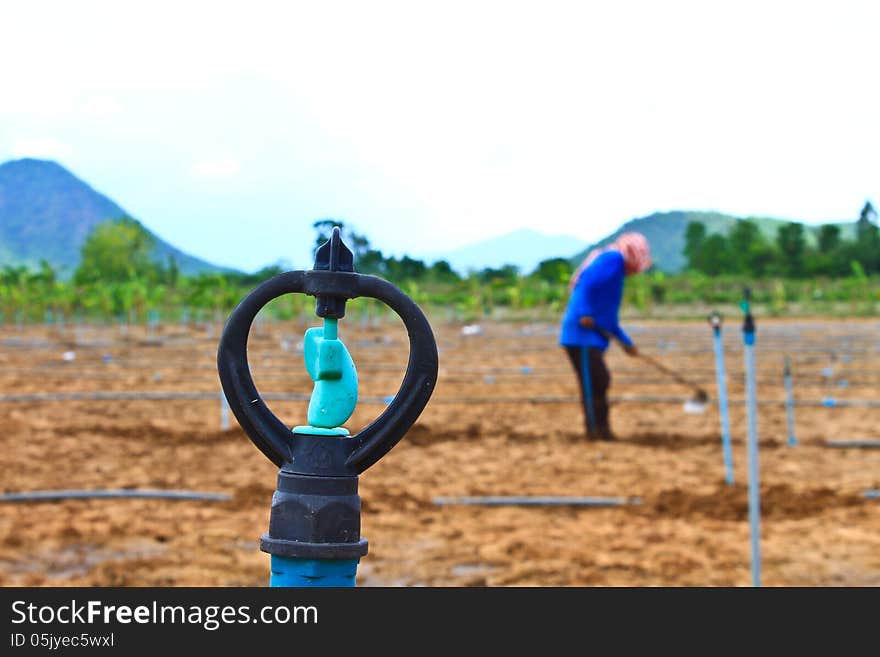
(315, 512)
(748, 321)
(332, 256)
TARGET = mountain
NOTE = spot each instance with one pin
(665, 233)
(524, 248)
(46, 213)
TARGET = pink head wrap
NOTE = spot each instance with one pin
(633, 247)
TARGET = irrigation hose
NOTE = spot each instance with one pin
(524, 500)
(827, 402)
(866, 444)
(48, 495)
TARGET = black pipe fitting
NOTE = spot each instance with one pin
(315, 518)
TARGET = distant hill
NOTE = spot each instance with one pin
(665, 232)
(524, 248)
(46, 213)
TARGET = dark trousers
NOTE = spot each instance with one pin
(589, 365)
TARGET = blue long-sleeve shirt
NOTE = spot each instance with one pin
(597, 293)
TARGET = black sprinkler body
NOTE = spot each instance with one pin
(314, 527)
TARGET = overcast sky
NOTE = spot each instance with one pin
(229, 127)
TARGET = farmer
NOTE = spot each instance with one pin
(596, 289)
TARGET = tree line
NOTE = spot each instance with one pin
(746, 251)
(371, 261)
(119, 277)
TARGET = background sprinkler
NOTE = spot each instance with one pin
(715, 322)
(314, 527)
(752, 438)
(789, 402)
(224, 413)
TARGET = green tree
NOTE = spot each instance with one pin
(714, 256)
(14, 286)
(370, 261)
(504, 274)
(866, 218)
(172, 272)
(744, 237)
(750, 253)
(705, 253)
(405, 269)
(792, 245)
(694, 241)
(554, 270)
(829, 238)
(442, 272)
(117, 251)
(867, 247)
(832, 256)
(45, 291)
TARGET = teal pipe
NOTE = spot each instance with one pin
(722, 403)
(789, 403)
(752, 442)
(293, 572)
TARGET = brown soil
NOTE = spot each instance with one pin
(690, 528)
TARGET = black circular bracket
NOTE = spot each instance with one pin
(324, 455)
